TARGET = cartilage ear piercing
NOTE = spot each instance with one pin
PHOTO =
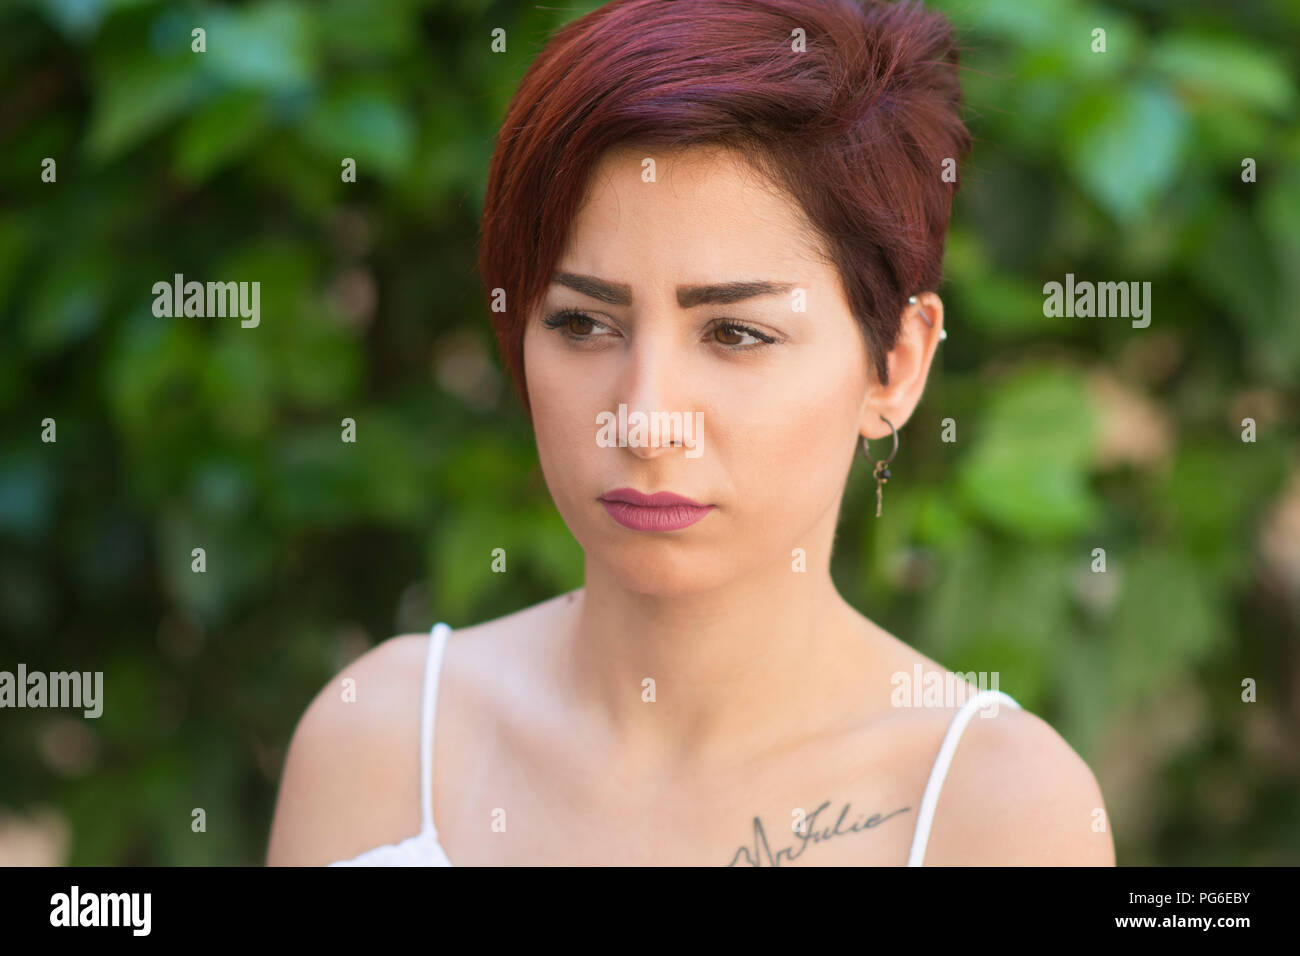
(943, 333)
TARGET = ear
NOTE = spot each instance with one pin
(920, 328)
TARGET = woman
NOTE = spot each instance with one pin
(725, 218)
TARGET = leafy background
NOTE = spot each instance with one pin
(1072, 434)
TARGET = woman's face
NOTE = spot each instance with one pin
(777, 383)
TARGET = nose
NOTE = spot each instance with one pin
(651, 383)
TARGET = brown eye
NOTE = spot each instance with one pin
(574, 325)
(733, 335)
(582, 327)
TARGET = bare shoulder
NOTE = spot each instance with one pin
(495, 665)
(350, 779)
(524, 625)
(1017, 794)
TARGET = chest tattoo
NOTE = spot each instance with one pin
(760, 852)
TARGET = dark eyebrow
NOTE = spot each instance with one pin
(615, 293)
(688, 296)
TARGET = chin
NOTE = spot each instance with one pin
(654, 570)
(655, 564)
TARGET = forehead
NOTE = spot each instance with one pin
(702, 212)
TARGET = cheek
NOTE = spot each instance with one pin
(796, 441)
(564, 426)
(544, 373)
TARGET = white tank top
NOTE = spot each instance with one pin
(423, 849)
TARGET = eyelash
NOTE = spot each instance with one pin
(557, 320)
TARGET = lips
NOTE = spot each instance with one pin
(662, 511)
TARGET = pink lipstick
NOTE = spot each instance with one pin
(662, 511)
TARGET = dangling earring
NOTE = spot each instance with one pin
(881, 471)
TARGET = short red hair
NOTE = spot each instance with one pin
(855, 128)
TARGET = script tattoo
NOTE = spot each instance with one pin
(810, 835)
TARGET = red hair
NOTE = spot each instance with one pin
(856, 129)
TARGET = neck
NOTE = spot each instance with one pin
(737, 672)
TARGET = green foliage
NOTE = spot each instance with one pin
(1116, 166)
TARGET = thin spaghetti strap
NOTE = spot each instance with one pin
(432, 671)
(940, 769)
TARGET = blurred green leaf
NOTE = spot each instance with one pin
(1026, 471)
(138, 97)
(78, 19)
(991, 303)
(1124, 145)
(151, 375)
(367, 122)
(14, 250)
(1169, 617)
(268, 46)
(219, 133)
(26, 494)
(1216, 66)
(1232, 265)
(67, 304)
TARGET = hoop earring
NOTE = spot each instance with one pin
(881, 470)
